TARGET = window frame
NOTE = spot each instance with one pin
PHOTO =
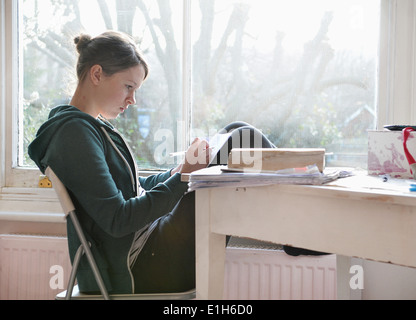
(396, 99)
(12, 174)
(397, 63)
(19, 200)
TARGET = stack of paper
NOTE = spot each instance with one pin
(221, 176)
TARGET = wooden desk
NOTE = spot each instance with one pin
(359, 216)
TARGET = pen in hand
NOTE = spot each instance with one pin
(177, 154)
(182, 153)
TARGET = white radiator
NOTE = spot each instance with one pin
(253, 274)
(28, 272)
(33, 267)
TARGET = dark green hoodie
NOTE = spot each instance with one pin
(95, 164)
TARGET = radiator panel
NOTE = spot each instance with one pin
(25, 265)
(252, 274)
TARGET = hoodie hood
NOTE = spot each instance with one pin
(57, 117)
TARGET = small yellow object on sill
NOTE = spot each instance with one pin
(44, 182)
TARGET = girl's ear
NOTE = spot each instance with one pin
(96, 73)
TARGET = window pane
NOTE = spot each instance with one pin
(49, 59)
(305, 72)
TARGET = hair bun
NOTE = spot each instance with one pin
(82, 41)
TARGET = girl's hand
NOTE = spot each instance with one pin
(196, 158)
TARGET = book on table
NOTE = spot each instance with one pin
(272, 160)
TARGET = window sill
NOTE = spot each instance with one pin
(30, 205)
(32, 217)
(28, 194)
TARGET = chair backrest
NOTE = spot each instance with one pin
(61, 192)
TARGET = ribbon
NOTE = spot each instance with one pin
(410, 159)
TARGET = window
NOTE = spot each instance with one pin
(305, 72)
(357, 89)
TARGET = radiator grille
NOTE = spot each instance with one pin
(252, 274)
(25, 265)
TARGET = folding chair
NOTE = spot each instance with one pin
(72, 290)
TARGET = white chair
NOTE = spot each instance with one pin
(72, 290)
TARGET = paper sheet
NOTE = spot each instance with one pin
(218, 176)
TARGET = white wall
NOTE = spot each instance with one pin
(384, 281)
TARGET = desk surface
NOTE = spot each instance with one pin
(362, 186)
(358, 185)
(359, 216)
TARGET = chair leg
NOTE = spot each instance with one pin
(88, 253)
(73, 274)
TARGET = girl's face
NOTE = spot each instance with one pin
(117, 92)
